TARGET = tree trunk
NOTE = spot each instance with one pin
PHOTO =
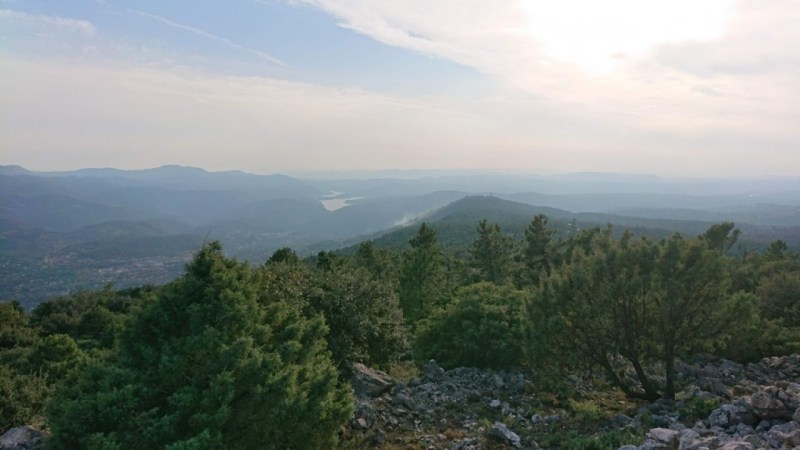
(669, 366)
(650, 396)
(651, 393)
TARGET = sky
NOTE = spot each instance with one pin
(672, 88)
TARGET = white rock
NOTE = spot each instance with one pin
(664, 435)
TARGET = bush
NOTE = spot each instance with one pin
(483, 326)
(364, 317)
(22, 398)
(698, 408)
(207, 366)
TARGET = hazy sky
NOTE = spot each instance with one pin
(677, 87)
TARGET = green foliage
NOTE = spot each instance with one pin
(23, 392)
(54, 356)
(363, 316)
(326, 260)
(586, 412)
(698, 408)
(572, 440)
(421, 275)
(22, 397)
(234, 357)
(780, 296)
(91, 318)
(376, 261)
(492, 252)
(362, 313)
(284, 255)
(207, 366)
(777, 250)
(16, 335)
(638, 300)
(539, 249)
(746, 342)
(483, 326)
(283, 282)
(721, 236)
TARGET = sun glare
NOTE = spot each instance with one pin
(598, 37)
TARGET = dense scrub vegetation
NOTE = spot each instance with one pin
(233, 355)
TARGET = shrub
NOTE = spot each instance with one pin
(22, 397)
(483, 326)
(363, 315)
(207, 366)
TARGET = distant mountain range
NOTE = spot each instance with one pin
(61, 231)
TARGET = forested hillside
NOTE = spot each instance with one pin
(65, 231)
(262, 355)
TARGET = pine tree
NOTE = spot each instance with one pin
(208, 366)
(638, 300)
(377, 261)
(538, 254)
(363, 315)
(721, 236)
(492, 252)
(421, 275)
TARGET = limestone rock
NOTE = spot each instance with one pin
(737, 445)
(663, 435)
(432, 371)
(775, 402)
(501, 433)
(21, 438)
(369, 382)
(730, 415)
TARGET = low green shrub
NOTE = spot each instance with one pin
(483, 326)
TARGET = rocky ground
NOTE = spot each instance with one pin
(722, 405)
(761, 409)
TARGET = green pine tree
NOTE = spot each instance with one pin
(208, 366)
(492, 252)
(421, 275)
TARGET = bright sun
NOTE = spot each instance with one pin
(597, 36)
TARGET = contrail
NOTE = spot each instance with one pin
(213, 37)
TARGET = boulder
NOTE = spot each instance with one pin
(737, 445)
(432, 371)
(730, 415)
(775, 402)
(500, 432)
(21, 438)
(369, 382)
(663, 435)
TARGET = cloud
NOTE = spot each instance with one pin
(478, 34)
(762, 39)
(163, 20)
(68, 115)
(515, 41)
(724, 103)
(72, 25)
(657, 96)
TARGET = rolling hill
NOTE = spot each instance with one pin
(61, 231)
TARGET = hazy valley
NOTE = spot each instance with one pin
(65, 231)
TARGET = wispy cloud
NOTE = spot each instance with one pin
(200, 32)
(141, 117)
(73, 25)
(750, 62)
